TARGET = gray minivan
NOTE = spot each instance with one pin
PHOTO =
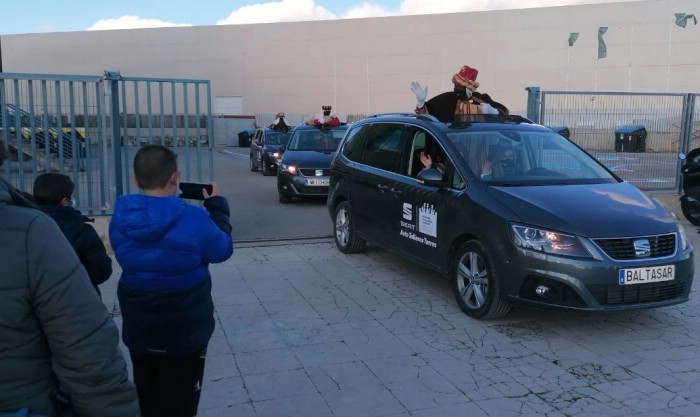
(508, 210)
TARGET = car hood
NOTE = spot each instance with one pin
(597, 210)
(271, 148)
(310, 159)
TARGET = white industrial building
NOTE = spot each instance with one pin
(365, 65)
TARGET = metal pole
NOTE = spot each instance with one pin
(113, 77)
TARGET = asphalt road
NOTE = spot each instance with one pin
(256, 213)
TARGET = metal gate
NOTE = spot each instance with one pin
(637, 135)
(89, 127)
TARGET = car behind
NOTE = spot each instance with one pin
(306, 161)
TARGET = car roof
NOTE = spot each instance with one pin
(305, 126)
(468, 122)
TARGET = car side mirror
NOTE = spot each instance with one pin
(431, 177)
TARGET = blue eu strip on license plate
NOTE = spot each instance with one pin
(632, 276)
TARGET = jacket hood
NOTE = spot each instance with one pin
(5, 192)
(145, 218)
(597, 210)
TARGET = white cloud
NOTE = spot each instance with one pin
(279, 11)
(412, 7)
(302, 10)
(366, 10)
(132, 22)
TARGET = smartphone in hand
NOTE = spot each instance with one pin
(193, 190)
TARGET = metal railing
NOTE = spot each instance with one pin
(89, 127)
(637, 135)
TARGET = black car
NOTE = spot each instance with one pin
(306, 161)
(510, 211)
(266, 150)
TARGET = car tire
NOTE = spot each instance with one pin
(346, 238)
(253, 168)
(475, 282)
(284, 199)
(265, 170)
(690, 211)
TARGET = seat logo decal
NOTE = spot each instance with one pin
(642, 248)
(407, 211)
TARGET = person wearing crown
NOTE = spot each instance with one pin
(279, 124)
(326, 118)
(462, 100)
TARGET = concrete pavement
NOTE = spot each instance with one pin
(304, 330)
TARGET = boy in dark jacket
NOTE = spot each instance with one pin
(53, 193)
(164, 247)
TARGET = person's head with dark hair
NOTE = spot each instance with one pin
(53, 189)
(155, 169)
(3, 152)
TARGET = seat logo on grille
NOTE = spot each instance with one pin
(319, 172)
(642, 248)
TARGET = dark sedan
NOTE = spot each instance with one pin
(306, 161)
(266, 150)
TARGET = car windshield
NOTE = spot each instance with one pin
(276, 138)
(316, 140)
(511, 157)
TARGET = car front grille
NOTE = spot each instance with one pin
(623, 248)
(311, 172)
(637, 294)
(312, 190)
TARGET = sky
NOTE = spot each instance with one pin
(41, 16)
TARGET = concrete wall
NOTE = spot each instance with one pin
(366, 65)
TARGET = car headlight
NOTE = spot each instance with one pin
(683, 241)
(290, 169)
(548, 241)
(276, 155)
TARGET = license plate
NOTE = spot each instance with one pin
(317, 183)
(632, 276)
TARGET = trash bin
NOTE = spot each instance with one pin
(631, 138)
(244, 137)
(562, 130)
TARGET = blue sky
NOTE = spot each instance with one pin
(39, 16)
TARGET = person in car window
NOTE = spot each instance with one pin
(433, 157)
(502, 164)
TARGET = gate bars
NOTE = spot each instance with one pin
(64, 123)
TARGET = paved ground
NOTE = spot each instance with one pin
(306, 331)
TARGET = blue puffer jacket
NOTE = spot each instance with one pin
(164, 247)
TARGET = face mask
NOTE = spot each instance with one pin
(462, 93)
(508, 163)
(326, 113)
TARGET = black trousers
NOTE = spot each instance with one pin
(168, 386)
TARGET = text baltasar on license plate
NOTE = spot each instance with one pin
(650, 274)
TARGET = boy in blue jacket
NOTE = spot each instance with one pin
(164, 247)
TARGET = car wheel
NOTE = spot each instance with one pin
(690, 211)
(253, 168)
(346, 238)
(284, 199)
(475, 282)
(266, 171)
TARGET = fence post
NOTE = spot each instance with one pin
(686, 135)
(113, 77)
(533, 99)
